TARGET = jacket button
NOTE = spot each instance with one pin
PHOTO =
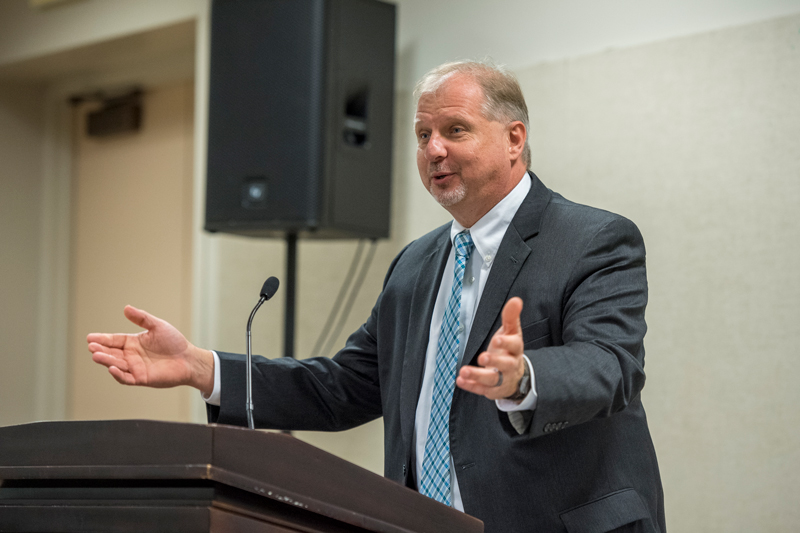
(404, 470)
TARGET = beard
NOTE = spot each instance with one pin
(447, 198)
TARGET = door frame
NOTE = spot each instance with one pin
(51, 348)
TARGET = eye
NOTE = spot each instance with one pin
(458, 129)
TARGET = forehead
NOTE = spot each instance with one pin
(457, 95)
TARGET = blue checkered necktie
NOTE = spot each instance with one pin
(435, 478)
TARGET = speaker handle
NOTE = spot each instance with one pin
(355, 118)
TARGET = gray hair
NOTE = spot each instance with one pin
(503, 96)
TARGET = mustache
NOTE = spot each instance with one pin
(439, 167)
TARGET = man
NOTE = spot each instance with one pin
(543, 427)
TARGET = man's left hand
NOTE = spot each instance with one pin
(503, 357)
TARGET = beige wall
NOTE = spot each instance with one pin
(521, 33)
(21, 130)
(696, 140)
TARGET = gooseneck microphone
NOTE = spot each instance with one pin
(268, 290)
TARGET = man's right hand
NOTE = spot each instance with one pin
(158, 357)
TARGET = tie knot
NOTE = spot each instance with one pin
(463, 244)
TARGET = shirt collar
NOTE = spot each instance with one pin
(487, 233)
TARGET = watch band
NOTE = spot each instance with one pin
(524, 386)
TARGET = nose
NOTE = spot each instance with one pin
(435, 150)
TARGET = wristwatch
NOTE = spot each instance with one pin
(524, 386)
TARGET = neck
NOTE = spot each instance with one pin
(468, 217)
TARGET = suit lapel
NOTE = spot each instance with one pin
(510, 257)
(508, 262)
(420, 313)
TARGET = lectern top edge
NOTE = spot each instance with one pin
(272, 466)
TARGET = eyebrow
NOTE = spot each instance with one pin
(454, 118)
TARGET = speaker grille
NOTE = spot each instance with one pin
(279, 155)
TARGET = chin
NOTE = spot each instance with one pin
(447, 198)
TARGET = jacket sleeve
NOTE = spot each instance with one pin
(311, 394)
(318, 394)
(597, 368)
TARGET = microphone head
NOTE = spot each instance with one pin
(270, 287)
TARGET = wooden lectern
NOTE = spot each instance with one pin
(147, 476)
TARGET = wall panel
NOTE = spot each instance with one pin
(695, 139)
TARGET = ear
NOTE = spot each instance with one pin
(516, 135)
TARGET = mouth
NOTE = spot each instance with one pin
(440, 176)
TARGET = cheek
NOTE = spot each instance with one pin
(422, 164)
(469, 158)
(422, 161)
(472, 155)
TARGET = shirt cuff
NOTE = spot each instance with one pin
(213, 399)
(529, 402)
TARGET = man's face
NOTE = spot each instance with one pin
(463, 158)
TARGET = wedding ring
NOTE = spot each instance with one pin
(499, 378)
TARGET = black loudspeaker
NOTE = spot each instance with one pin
(300, 118)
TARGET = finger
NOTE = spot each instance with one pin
(111, 340)
(473, 387)
(110, 361)
(503, 361)
(506, 344)
(493, 345)
(141, 318)
(111, 350)
(484, 377)
(511, 312)
(482, 381)
(121, 377)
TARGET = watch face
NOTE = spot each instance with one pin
(523, 389)
(525, 385)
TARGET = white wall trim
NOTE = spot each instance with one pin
(205, 255)
(52, 328)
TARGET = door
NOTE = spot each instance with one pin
(131, 244)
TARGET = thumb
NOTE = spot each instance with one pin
(511, 312)
(141, 318)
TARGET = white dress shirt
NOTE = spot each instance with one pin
(486, 234)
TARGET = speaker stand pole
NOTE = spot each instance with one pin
(291, 286)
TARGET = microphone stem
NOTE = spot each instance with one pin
(250, 423)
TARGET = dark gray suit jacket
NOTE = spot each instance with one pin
(586, 462)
